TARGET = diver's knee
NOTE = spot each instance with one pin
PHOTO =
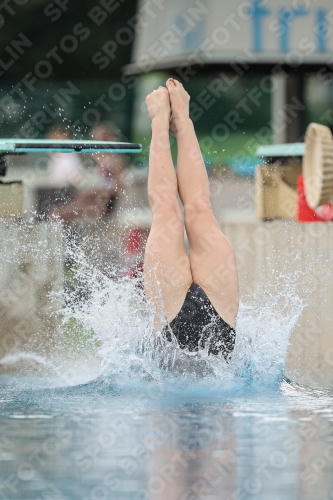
(165, 201)
(199, 205)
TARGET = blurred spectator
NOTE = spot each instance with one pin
(66, 169)
(66, 174)
(96, 201)
(110, 166)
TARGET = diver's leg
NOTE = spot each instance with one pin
(212, 258)
(167, 273)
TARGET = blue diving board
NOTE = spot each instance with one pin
(281, 150)
(19, 146)
(23, 146)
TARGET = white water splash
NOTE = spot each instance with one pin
(17, 357)
(115, 314)
(130, 350)
(61, 371)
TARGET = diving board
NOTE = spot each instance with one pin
(23, 146)
(17, 146)
(316, 156)
(281, 150)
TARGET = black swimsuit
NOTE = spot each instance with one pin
(198, 325)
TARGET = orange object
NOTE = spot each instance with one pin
(306, 213)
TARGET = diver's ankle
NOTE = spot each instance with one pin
(160, 120)
(180, 125)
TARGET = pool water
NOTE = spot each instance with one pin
(101, 440)
(155, 423)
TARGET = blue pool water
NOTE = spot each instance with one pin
(154, 423)
(104, 441)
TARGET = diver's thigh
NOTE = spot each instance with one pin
(167, 272)
(213, 266)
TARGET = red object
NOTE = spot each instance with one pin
(133, 243)
(133, 252)
(306, 213)
(327, 212)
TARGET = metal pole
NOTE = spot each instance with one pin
(278, 107)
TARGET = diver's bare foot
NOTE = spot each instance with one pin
(158, 104)
(179, 100)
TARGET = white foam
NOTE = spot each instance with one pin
(131, 353)
(119, 315)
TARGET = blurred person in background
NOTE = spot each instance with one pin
(66, 174)
(110, 166)
(66, 169)
(98, 201)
